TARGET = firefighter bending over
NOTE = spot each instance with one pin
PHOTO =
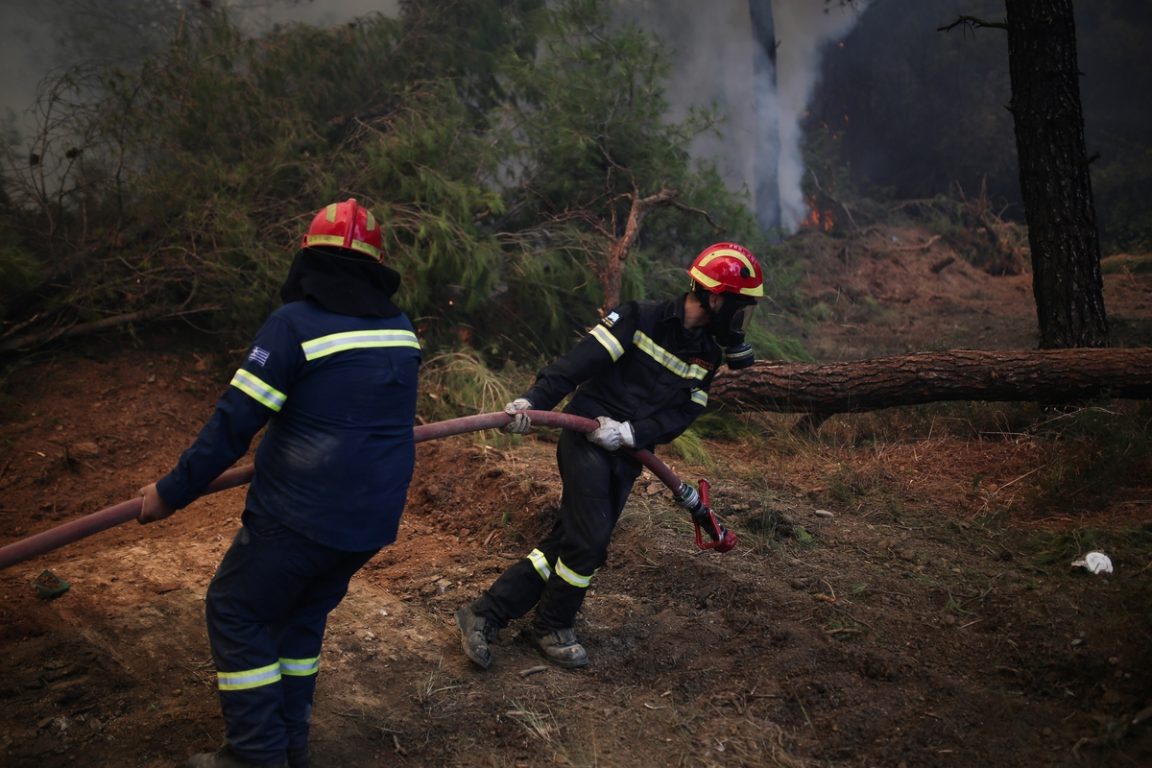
(643, 373)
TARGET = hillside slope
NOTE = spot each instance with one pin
(902, 594)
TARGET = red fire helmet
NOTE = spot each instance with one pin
(346, 225)
(728, 268)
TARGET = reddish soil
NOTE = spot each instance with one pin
(902, 595)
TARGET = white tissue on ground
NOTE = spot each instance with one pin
(1094, 562)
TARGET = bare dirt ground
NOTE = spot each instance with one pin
(933, 619)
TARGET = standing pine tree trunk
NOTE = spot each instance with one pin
(1054, 177)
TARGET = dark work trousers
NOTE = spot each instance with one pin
(596, 487)
(267, 607)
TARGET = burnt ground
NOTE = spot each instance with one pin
(902, 595)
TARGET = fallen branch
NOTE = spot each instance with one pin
(1048, 376)
(24, 343)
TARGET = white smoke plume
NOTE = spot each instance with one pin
(713, 54)
(803, 29)
(757, 63)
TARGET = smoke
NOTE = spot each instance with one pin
(717, 63)
(757, 64)
(42, 37)
(261, 14)
(803, 29)
(27, 52)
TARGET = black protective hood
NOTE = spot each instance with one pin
(342, 281)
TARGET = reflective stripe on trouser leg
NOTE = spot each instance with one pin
(521, 586)
(251, 690)
(269, 601)
(300, 639)
(299, 684)
(596, 487)
(563, 595)
(512, 594)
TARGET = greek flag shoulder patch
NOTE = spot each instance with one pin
(259, 355)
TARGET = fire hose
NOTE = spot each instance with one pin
(691, 499)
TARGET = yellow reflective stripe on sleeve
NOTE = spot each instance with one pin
(248, 678)
(300, 667)
(540, 563)
(700, 397)
(570, 576)
(645, 343)
(342, 342)
(608, 341)
(258, 390)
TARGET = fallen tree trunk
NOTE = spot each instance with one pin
(1046, 376)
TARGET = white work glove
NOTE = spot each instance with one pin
(520, 423)
(612, 434)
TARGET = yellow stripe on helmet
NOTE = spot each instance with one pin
(708, 282)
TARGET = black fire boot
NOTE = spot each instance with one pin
(476, 634)
(560, 647)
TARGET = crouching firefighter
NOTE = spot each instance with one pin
(643, 372)
(333, 374)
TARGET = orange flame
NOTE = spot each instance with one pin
(819, 219)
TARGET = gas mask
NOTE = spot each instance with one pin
(727, 325)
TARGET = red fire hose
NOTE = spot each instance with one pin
(722, 539)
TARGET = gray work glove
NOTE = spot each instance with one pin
(612, 434)
(520, 423)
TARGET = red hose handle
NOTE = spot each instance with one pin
(40, 543)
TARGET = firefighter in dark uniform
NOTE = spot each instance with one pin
(333, 374)
(643, 373)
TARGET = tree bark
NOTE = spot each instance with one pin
(1054, 178)
(1047, 376)
(612, 270)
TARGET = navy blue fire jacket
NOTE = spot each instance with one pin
(638, 364)
(338, 394)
